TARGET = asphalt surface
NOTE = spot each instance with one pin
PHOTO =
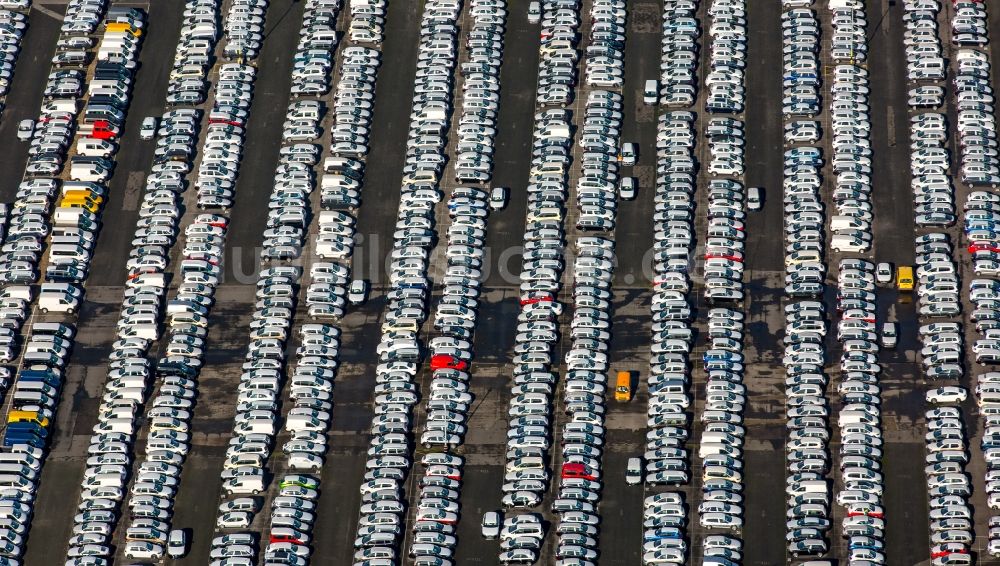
(620, 536)
(765, 512)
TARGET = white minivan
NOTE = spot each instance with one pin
(534, 12)
(651, 92)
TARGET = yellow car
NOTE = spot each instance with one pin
(87, 205)
(27, 416)
(80, 195)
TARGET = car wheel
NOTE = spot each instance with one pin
(45, 310)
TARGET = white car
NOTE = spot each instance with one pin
(633, 471)
(358, 292)
(491, 524)
(25, 129)
(948, 394)
(147, 130)
(498, 198)
(883, 273)
(142, 549)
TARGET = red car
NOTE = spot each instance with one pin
(982, 247)
(441, 361)
(288, 539)
(535, 298)
(728, 257)
(226, 122)
(860, 514)
(576, 470)
(947, 552)
(102, 134)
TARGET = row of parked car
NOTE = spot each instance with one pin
(678, 85)
(941, 355)
(606, 52)
(33, 404)
(340, 188)
(408, 294)
(587, 361)
(12, 29)
(949, 488)
(670, 373)
(807, 413)
(244, 29)
(557, 60)
(223, 147)
(293, 512)
(727, 59)
(15, 300)
(924, 59)
(50, 140)
(930, 164)
(313, 59)
(78, 212)
(850, 124)
(978, 157)
(529, 437)
(980, 165)
(721, 447)
(434, 532)
(367, 21)
(46, 350)
(477, 125)
(801, 72)
(195, 53)
(288, 212)
(805, 271)
(597, 187)
(859, 419)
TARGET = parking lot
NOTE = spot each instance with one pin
(376, 412)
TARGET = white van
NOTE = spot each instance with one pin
(136, 394)
(808, 486)
(88, 172)
(534, 12)
(68, 251)
(243, 485)
(848, 244)
(706, 449)
(14, 481)
(104, 480)
(651, 92)
(19, 469)
(147, 331)
(91, 147)
(124, 426)
(158, 280)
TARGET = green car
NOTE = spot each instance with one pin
(300, 481)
